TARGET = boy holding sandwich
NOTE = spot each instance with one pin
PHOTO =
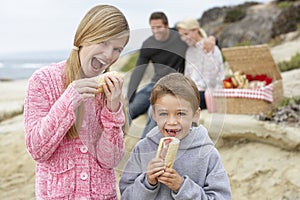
(197, 171)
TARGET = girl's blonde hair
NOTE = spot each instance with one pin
(101, 23)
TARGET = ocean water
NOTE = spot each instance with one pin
(16, 66)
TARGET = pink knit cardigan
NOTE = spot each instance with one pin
(79, 168)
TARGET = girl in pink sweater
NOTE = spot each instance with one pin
(73, 133)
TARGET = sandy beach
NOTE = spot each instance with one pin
(258, 168)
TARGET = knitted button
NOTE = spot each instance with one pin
(83, 176)
(83, 149)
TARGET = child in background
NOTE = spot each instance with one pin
(204, 68)
(198, 172)
(75, 135)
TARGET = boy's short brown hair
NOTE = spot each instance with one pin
(178, 85)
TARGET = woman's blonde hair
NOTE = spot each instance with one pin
(101, 23)
(191, 24)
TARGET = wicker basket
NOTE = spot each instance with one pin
(251, 60)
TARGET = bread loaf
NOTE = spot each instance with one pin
(100, 79)
(167, 150)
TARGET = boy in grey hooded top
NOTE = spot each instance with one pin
(197, 173)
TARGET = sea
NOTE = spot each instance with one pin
(20, 65)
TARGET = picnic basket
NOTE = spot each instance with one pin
(251, 60)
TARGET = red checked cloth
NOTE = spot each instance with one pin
(264, 93)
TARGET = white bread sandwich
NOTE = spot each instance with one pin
(167, 150)
(100, 79)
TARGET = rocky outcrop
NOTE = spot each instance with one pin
(251, 23)
(234, 129)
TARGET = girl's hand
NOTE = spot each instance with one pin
(171, 179)
(113, 91)
(86, 87)
(155, 168)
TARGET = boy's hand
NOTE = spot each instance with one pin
(171, 179)
(155, 168)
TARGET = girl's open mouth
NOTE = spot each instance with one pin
(97, 64)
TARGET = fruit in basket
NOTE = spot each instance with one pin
(239, 80)
(256, 84)
(227, 83)
(246, 81)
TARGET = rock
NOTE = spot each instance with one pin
(248, 127)
(287, 20)
(261, 24)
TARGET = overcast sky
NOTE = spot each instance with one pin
(38, 25)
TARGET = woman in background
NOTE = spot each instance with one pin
(204, 68)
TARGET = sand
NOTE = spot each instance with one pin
(257, 170)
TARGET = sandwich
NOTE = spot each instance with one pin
(100, 79)
(167, 150)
